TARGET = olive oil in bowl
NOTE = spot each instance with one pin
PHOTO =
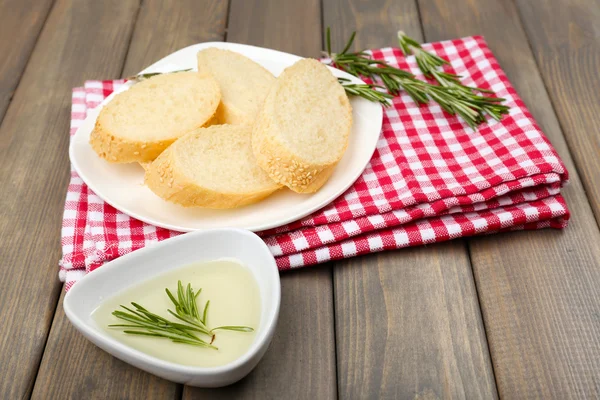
(234, 301)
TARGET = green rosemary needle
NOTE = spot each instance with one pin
(186, 308)
(450, 94)
(150, 324)
(143, 77)
(366, 91)
(147, 323)
(471, 106)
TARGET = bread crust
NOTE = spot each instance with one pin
(227, 114)
(116, 149)
(282, 165)
(167, 181)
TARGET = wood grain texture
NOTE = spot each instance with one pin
(73, 367)
(300, 363)
(80, 39)
(565, 39)
(22, 19)
(408, 322)
(164, 27)
(376, 22)
(538, 290)
(408, 326)
(286, 25)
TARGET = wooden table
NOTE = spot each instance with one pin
(514, 315)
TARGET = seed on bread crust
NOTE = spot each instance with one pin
(300, 135)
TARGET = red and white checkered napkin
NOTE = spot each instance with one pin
(431, 179)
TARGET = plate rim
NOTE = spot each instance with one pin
(93, 114)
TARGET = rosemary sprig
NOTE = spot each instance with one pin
(186, 308)
(366, 91)
(143, 77)
(150, 324)
(450, 94)
(147, 323)
(429, 63)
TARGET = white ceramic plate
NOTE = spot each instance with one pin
(121, 185)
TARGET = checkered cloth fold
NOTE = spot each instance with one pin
(431, 179)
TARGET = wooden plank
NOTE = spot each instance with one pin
(301, 360)
(408, 322)
(280, 25)
(538, 290)
(565, 40)
(72, 366)
(22, 19)
(189, 22)
(80, 39)
(408, 325)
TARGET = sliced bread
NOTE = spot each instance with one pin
(244, 84)
(138, 124)
(212, 167)
(303, 128)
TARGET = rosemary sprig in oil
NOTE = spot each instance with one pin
(142, 322)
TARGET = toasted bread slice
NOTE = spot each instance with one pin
(138, 124)
(212, 167)
(244, 84)
(303, 128)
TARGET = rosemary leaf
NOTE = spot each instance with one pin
(185, 318)
(205, 313)
(454, 97)
(171, 297)
(143, 322)
(140, 315)
(204, 344)
(460, 98)
(180, 299)
(366, 91)
(234, 328)
(175, 339)
(143, 77)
